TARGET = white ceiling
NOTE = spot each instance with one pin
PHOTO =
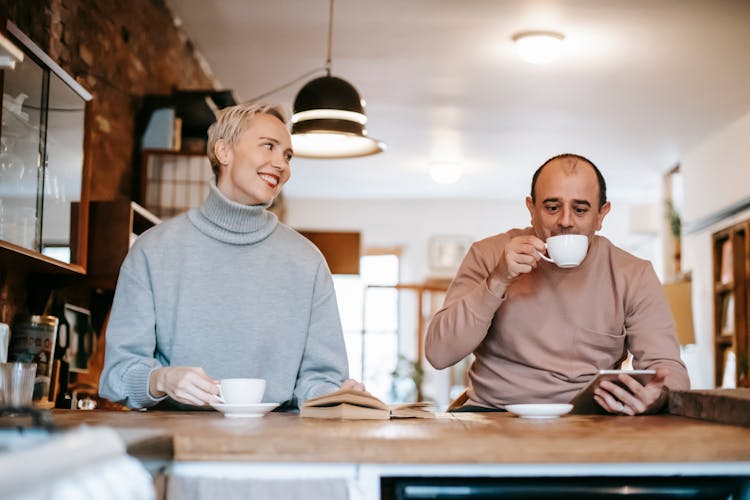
(639, 84)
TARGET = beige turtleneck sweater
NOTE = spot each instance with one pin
(554, 328)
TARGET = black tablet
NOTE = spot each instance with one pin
(584, 401)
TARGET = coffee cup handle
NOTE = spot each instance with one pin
(545, 257)
(220, 396)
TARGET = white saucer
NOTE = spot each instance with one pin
(245, 411)
(539, 410)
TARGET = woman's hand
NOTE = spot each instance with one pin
(353, 384)
(636, 399)
(185, 384)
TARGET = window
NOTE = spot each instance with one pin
(369, 317)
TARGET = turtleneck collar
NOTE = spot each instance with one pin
(231, 222)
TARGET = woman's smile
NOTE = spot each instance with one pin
(272, 180)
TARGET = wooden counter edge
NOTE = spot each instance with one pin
(725, 406)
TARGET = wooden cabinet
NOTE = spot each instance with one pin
(731, 274)
(113, 225)
(341, 249)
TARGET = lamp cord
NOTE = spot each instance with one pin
(330, 39)
(288, 84)
(326, 68)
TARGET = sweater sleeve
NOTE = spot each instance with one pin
(462, 323)
(324, 364)
(131, 337)
(650, 330)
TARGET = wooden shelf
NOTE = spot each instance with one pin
(18, 257)
(724, 340)
(731, 271)
(724, 287)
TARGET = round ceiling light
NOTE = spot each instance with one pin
(538, 47)
(445, 172)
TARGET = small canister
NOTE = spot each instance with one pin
(32, 340)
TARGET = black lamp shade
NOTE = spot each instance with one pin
(329, 121)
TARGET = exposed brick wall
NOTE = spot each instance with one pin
(118, 50)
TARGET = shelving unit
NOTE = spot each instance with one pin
(731, 278)
(113, 226)
(36, 211)
(9, 53)
(173, 181)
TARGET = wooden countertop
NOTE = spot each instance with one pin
(464, 438)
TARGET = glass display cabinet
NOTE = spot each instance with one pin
(43, 195)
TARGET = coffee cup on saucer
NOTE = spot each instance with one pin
(241, 391)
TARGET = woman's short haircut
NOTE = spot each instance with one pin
(232, 121)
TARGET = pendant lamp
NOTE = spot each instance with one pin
(328, 119)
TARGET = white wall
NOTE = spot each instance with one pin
(410, 224)
(716, 175)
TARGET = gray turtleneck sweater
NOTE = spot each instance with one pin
(230, 289)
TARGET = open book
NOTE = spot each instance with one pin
(356, 405)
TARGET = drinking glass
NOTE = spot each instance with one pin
(16, 384)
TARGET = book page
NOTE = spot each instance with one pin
(421, 409)
(344, 411)
(350, 396)
(726, 274)
(343, 404)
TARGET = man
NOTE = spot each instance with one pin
(540, 332)
(227, 291)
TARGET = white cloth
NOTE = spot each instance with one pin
(85, 464)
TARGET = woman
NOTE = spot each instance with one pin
(226, 290)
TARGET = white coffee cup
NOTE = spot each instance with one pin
(566, 250)
(241, 391)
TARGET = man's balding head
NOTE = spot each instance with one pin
(570, 162)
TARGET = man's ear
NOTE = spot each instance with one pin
(223, 152)
(530, 207)
(602, 213)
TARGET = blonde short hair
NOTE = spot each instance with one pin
(232, 121)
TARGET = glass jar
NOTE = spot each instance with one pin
(32, 340)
